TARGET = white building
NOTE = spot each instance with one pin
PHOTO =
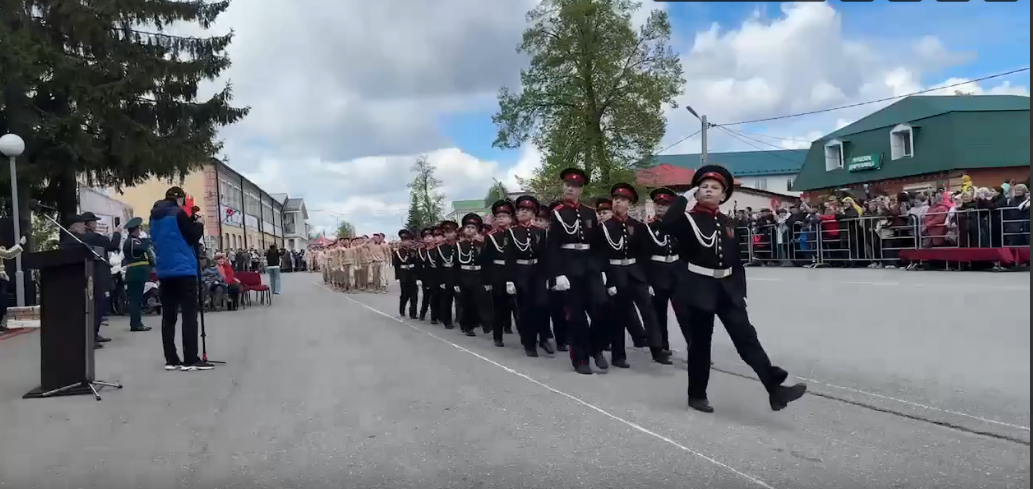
(295, 222)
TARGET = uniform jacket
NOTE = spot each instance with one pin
(572, 225)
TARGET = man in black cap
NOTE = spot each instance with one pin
(526, 278)
(665, 269)
(576, 271)
(103, 284)
(406, 265)
(176, 238)
(556, 314)
(139, 260)
(425, 275)
(494, 253)
(717, 284)
(444, 256)
(470, 286)
(623, 246)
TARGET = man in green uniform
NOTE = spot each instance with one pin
(139, 261)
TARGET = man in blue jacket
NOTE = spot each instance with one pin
(176, 237)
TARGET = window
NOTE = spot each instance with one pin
(833, 155)
(789, 184)
(760, 184)
(902, 142)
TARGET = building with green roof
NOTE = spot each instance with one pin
(924, 142)
(463, 207)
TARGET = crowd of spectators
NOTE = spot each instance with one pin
(847, 231)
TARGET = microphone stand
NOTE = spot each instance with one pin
(200, 310)
(93, 386)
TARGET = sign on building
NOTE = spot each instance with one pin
(864, 163)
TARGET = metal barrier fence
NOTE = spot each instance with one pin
(877, 241)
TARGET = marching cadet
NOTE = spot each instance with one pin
(406, 263)
(378, 255)
(427, 281)
(665, 269)
(717, 285)
(445, 262)
(348, 257)
(604, 212)
(556, 314)
(526, 278)
(577, 273)
(471, 287)
(496, 242)
(623, 246)
(364, 264)
(139, 259)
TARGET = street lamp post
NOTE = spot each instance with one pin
(13, 146)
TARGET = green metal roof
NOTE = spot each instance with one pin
(950, 133)
(743, 163)
(468, 205)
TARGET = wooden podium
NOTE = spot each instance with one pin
(66, 322)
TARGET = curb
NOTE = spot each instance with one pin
(12, 332)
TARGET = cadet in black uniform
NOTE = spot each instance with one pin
(576, 271)
(717, 286)
(427, 279)
(444, 256)
(139, 260)
(471, 287)
(665, 269)
(406, 264)
(495, 245)
(622, 244)
(556, 315)
(527, 278)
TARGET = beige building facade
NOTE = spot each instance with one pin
(237, 213)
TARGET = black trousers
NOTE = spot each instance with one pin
(743, 336)
(446, 298)
(661, 298)
(532, 316)
(502, 309)
(581, 302)
(628, 298)
(429, 301)
(474, 308)
(558, 317)
(179, 294)
(409, 296)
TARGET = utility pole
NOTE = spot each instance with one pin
(703, 134)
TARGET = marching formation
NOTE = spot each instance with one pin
(355, 264)
(589, 272)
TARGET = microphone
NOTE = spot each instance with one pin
(37, 205)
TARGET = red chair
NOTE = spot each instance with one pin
(252, 282)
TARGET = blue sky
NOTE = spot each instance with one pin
(996, 33)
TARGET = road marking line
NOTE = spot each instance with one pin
(915, 404)
(887, 283)
(576, 399)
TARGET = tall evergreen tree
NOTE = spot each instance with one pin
(414, 221)
(101, 92)
(594, 93)
(496, 192)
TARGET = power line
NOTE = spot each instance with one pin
(682, 140)
(782, 138)
(758, 148)
(745, 135)
(886, 99)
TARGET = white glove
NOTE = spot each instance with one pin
(3, 276)
(562, 284)
(612, 291)
(419, 283)
(744, 301)
(604, 277)
(457, 289)
(442, 286)
(487, 288)
(690, 196)
(22, 241)
(510, 288)
(651, 293)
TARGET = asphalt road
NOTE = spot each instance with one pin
(329, 390)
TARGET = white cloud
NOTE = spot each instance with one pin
(346, 93)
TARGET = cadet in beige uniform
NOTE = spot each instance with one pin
(377, 256)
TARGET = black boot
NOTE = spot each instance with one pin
(562, 347)
(620, 363)
(661, 357)
(507, 330)
(546, 346)
(470, 332)
(531, 352)
(583, 369)
(140, 328)
(784, 395)
(499, 343)
(701, 405)
(600, 361)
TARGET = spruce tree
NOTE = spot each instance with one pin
(102, 92)
(414, 222)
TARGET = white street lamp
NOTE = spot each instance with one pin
(12, 147)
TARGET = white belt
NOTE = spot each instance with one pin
(406, 267)
(710, 272)
(576, 246)
(446, 265)
(532, 261)
(470, 268)
(622, 263)
(664, 258)
(499, 262)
